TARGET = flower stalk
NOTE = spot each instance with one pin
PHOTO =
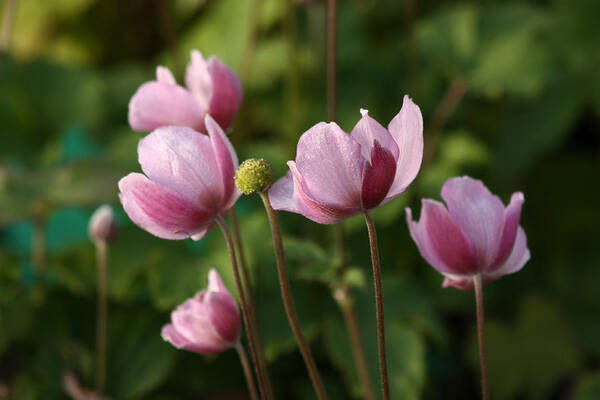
(102, 315)
(379, 305)
(288, 301)
(477, 284)
(247, 370)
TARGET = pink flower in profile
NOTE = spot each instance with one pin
(188, 181)
(211, 88)
(207, 323)
(337, 175)
(475, 235)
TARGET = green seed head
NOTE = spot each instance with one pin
(254, 175)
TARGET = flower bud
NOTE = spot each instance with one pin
(254, 175)
(103, 226)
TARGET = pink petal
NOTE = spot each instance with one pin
(441, 241)
(160, 210)
(198, 80)
(215, 283)
(407, 130)
(330, 163)
(224, 316)
(226, 159)
(157, 104)
(517, 259)
(289, 194)
(368, 131)
(170, 334)
(378, 175)
(192, 321)
(459, 282)
(164, 75)
(184, 160)
(478, 212)
(512, 215)
(226, 92)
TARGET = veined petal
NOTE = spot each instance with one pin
(407, 130)
(368, 131)
(378, 175)
(226, 158)
(157, 104)
(330, 163)
(516, 260)
(478, 212)
(224, 315)
(160, 210)
(198, 80)
(184, 160)
(512, 215)
(192, 321)
(441, 241)
(226, 92)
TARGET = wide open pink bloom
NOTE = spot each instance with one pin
(188, 181)
(337, 175)
(211, 88)
(207, 323)
(475, 235)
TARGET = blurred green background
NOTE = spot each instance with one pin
(509, 92)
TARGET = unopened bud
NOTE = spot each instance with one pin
(103, 226)
(254, 175)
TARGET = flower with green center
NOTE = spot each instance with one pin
(254, 175)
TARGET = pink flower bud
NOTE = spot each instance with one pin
(102, 226)
(207, 323)
(475, 235)
(337, 175)
(211, 88)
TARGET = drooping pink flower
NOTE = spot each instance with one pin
(207, 323)
(211, 88)
(475, 235)
(188, 181)
(337, 175)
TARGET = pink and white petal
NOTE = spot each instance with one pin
(184, 160)
(215, 283)
(226, 92)
(170, 334)
(512, 216)
(225, 156)
(159, 209)
(518, 258)
(441, 241)
(330, 163)
(224, 316)
(164, 75)
(198, 80)
(368, 131)
(459, 282)
(199, 331)
(157, 104)
(478, 212)
(378, 175)
(407, 130)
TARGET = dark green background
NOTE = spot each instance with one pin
(528, 121)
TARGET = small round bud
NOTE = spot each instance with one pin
(103, 226)
(254, 175)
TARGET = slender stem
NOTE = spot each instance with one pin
(288, 301)
(38, 247)
(247, 370)
(379, 306)
(480, 334)
(243, 301)
(331, 57)
(344, 299)
(247, 283)
(251, 39)
(102, 315)
(9, 17)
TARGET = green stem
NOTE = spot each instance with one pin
(385, 388)
(288, 301)
(102, 315)
(480, 334)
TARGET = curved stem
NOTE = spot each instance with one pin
(288, 301)
(243, 301)
(480, 334)
(331, 57)
(247, 370)
(247, 283)
(385, 388)
(102, 315)
(344, 299)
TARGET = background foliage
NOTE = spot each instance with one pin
(510, 94)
